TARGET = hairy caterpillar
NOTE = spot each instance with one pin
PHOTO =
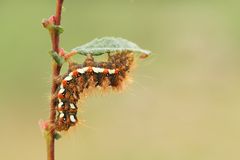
(89, 74)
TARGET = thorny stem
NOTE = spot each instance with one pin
(55, 72)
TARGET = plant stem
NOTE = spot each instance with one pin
(55, 72)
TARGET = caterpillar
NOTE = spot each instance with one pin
(80, 77)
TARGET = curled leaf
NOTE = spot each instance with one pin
(105, 45)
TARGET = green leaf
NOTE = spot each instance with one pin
(58, 59)
(59, 29)
(104, 45)
(57, 136)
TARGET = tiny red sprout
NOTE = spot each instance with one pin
(44, 125)
(61, 52)
(52, 19)
(48, 23)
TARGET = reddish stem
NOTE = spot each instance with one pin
(55, 72)
(70, 54)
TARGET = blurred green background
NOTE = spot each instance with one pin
(182, 105)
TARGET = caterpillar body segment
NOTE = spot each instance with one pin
(90, 74)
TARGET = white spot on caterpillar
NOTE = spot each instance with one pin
(61, 115)
(100, 70)
(72, 106)
(85, 69)
(95, 69)
(72, 118)
(61, 90)
(68, 78)
(111, 71)
(61, 86)
(60, 105)
(71, 74)
(81, 71)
